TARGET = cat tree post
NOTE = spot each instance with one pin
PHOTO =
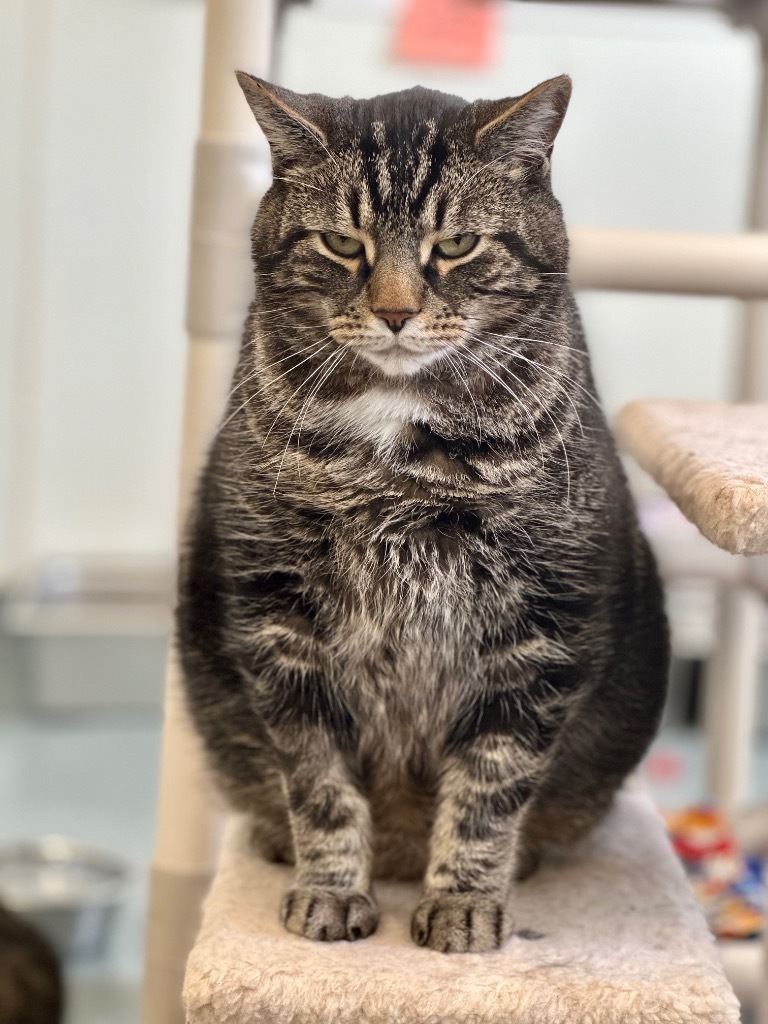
(732, 679)
(231, 174)
(755, 359)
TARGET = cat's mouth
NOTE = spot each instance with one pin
(400, 360)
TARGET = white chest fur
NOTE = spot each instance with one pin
(379, 415)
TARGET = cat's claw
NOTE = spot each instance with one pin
(459, 923)
(327, 915)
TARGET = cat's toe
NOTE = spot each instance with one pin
(327, 916)
(459, 923)
(362, 916)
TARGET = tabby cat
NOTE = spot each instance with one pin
(421, 633)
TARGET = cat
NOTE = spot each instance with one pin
(421, 632)
(31, 988)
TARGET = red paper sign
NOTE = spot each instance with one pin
(445, 32)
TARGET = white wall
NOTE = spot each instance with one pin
(12, 37)
(658, 136)
(98, 321)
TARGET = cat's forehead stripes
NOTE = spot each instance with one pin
(397, 164)
(377, 164)
(400, 155)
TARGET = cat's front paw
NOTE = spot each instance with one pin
(327, 916)
(459, 923)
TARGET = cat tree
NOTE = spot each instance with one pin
(608, 933)
(621, 939)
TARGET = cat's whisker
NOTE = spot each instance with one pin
(543, 369)
(536, 342)
(528, 317)
(553, 370)
(577, 353)
(308, 350)
(456, 368)
(299, 182)
(313, 350)
(514, 352)
(259, 370)
(466, 353)
(551, 419)
(282, 307)
(265, 387)
(560, 374)
(531, 318)
(290, 435)
(293, 428)
(339, 355)
(516, 337)
(294, 327)
(292, 321)
(290, 397)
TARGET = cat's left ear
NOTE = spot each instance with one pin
(289, 121)
(523, 129)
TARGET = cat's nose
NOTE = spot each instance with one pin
(395, 318)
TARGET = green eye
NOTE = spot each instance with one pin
(342, 245)
(458, 245)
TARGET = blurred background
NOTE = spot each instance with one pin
(99, 111)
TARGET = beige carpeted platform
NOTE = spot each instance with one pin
(712, 459)
(621, 942)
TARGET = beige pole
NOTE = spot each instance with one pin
(231, 175)
(674, 262)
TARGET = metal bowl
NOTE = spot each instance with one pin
(67, 889)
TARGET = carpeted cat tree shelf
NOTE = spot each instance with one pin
(712, 460)
(606, 934)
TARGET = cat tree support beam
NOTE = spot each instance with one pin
(675, 262)
(754, 379)
(231, 175)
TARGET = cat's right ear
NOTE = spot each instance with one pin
(287, 120)
(522, 129)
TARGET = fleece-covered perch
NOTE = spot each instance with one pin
(712, 460)
(621, 942)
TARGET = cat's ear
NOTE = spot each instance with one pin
(287, 119)
(522, 130)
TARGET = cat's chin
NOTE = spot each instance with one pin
(397, 361)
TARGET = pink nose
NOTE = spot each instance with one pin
(395, 318)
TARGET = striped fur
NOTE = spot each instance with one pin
(421, 633)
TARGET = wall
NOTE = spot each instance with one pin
(95, 338)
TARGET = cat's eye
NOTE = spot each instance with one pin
(458, 245)
(342, 245)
